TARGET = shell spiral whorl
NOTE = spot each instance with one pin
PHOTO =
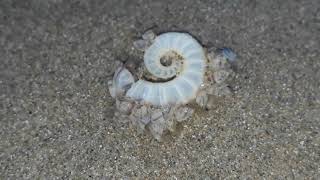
(188, 75)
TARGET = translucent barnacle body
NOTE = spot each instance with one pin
(121, 82)
(229, 54)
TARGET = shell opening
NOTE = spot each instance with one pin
(169, 65)
(171, 57)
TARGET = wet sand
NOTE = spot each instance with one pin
(56, 115)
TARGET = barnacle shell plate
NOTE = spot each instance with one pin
(186, 83)
(121, 81)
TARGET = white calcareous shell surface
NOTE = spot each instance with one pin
(185, 85)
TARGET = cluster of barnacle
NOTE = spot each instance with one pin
(176, 72)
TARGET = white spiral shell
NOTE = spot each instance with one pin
(185, 85)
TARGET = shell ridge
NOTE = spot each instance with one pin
(183, 87)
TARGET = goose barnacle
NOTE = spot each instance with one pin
(176, 71)
(122, 80)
